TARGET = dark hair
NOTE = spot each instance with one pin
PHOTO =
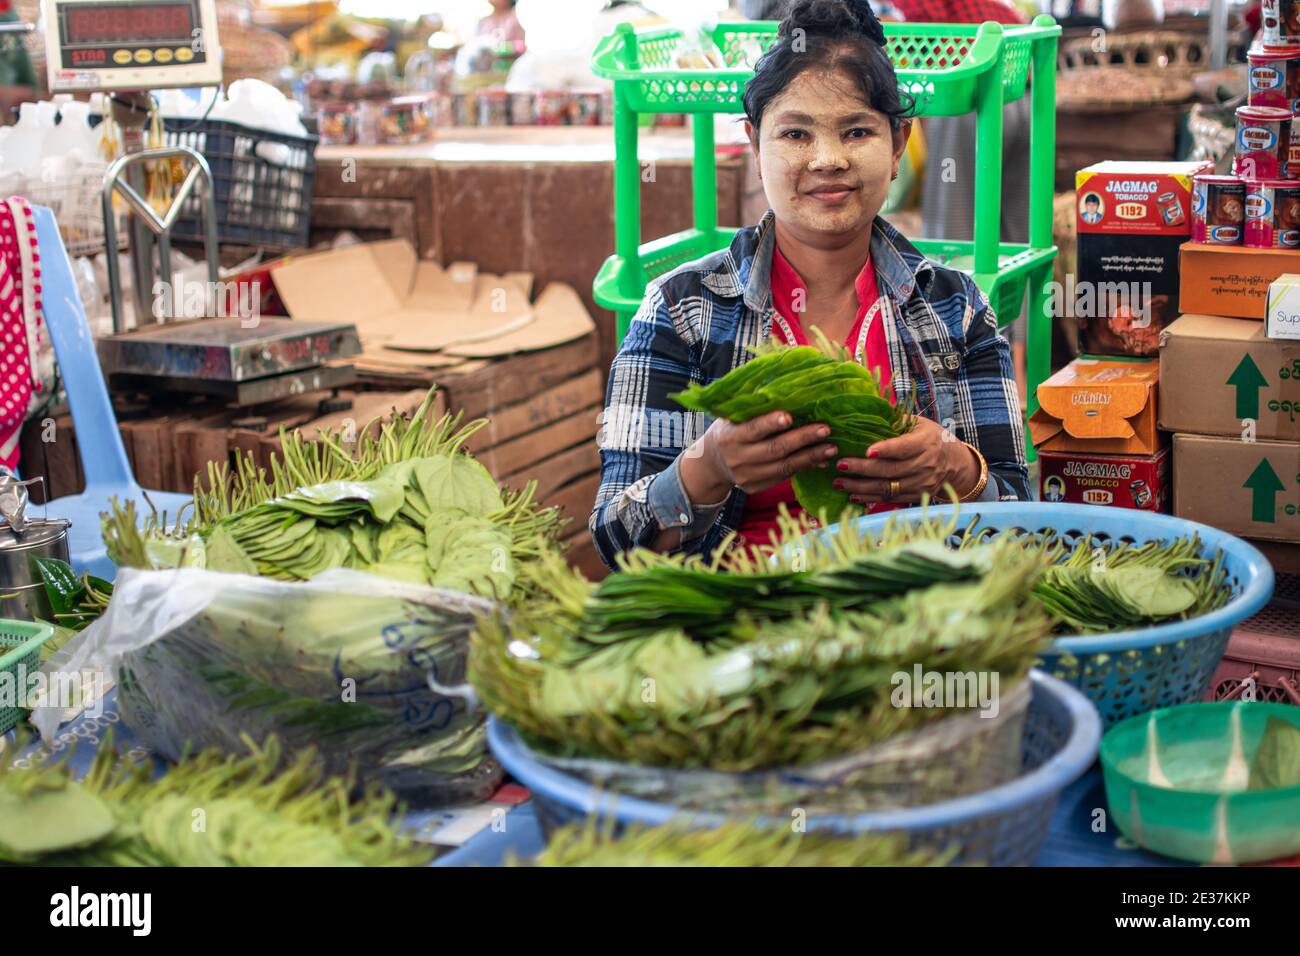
(829, 34)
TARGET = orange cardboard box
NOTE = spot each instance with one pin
(1230, 280)
(1099, 407)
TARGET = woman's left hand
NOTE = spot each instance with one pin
(921, 462)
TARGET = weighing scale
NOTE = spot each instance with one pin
(126, 48)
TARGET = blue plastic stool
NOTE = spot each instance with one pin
(103, 457)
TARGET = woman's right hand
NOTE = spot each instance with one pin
(755, 456)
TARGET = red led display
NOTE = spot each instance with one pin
(163, 21)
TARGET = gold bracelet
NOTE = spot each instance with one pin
(980, 485)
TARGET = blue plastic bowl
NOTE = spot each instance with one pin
(1127, 673)
(1004, 826)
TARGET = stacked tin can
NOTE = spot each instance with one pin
(1259, 205)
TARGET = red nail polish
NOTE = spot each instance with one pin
(837, 484)
(842, 465)
(871, 453)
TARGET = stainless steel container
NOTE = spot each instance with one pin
(22, 593)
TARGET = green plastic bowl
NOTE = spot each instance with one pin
(1176, 783)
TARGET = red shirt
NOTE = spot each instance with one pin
(762, 508)
(958, 11)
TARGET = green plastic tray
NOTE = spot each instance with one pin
(20, 655)
(937, 63)
(1196, 816)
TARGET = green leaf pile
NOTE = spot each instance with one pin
(812, 385)
(732, 844)
(257, 810)
(408, 504)
(802, 672)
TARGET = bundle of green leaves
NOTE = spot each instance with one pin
(801, 672)
(731, 844)
(821, 384)
(408, 503)
(258, 810)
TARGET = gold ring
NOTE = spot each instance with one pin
(893, 489)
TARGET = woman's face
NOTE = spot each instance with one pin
(825, 156)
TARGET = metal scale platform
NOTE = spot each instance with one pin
(128, 48)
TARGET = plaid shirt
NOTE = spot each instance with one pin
(699, 322)
(958, 11)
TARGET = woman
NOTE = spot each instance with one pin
(828, 129)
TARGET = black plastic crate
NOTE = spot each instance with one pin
(262, 183)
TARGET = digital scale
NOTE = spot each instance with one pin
(129, 47)
(131, 44)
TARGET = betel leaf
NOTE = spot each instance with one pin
(457, 481)
(62, 586)
(50, 819)
(225, 554)
(1277, 758)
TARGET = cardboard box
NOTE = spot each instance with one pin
(1118, 481)
(1132, 217)
(1283, 318)
(1230, 280)
(1247, 488)
(1217, 373)
(1099, 407)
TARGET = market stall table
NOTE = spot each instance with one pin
(507, 826)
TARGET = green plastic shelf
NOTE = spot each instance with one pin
(948, 69)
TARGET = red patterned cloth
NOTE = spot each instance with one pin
(21, 323)
(958, 11)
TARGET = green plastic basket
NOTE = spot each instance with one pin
(949, 69)
(938, 64)
(1176, 783)
(20, 655)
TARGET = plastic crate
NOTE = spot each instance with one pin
(262, 183)
(1264, 651)
(20, 655)
(949, 69)
(1001, 826)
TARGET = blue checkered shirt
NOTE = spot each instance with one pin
(701, 320)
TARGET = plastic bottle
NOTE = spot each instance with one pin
(73, 133)
(25, 145)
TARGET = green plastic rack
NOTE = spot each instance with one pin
(20, 657)
(950, 69)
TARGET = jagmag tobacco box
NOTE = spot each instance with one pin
(1096, 436)
(1132, 217)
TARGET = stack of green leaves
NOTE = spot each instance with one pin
(257, 810)
(1093, 585)
(1096, 588)
(812, 385)
(663, 594)
(811, 682)
(409, 504)
(731, 844)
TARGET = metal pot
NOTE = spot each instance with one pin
(22, 592)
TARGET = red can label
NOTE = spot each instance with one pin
(1218, 210)
(1273, 216)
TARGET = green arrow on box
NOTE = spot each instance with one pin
(1248, 380)
(1264, 485)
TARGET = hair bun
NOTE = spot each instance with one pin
(833, 18)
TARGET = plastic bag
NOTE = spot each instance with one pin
(952, 757)
(346, 662)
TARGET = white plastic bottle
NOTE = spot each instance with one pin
(24, 147)
(73, 133)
